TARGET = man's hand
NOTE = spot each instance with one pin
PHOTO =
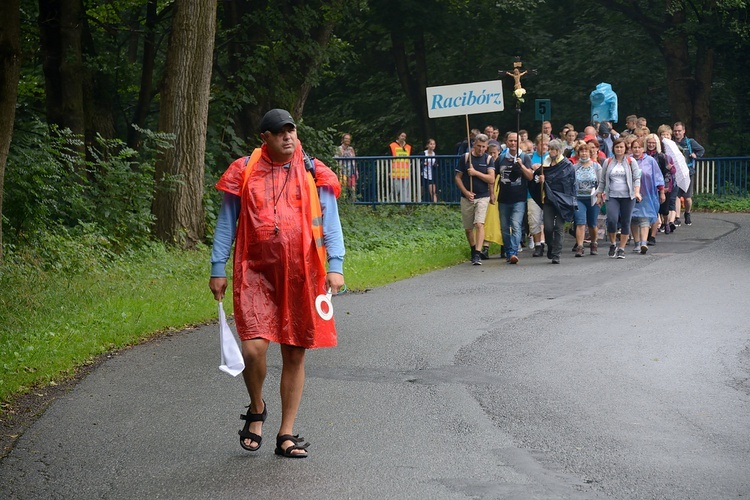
(334, 282)
(218, 286)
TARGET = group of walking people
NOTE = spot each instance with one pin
(279, 211)
(639, 179)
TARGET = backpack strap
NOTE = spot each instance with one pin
(250, 162)
(309, 164)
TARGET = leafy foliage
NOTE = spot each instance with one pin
(713, 203)
(51, 185)
(391, 227)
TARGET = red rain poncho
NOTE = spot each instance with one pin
(278, 274)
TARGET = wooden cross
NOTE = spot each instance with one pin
(517, 73)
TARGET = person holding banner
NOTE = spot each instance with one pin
(475, 177)
(400, 168)
(281, 206)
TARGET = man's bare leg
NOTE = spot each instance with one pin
(254, 374)
(470, 237)
(292, 384)
(479, 237)
(580, 234)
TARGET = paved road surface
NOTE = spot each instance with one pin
(595, 378)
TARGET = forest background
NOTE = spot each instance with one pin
(144, 103)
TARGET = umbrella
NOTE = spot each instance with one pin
(682, 175)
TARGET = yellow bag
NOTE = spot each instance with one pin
(492, 230)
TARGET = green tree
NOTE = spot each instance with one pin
(270, 54)
(689, 36)
(10, 63)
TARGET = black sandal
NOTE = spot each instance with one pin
(299, 444)
(245, 433)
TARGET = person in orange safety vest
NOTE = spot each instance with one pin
(400, 169)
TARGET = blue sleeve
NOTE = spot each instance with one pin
(526, 159)
(333, 236)
(226, 229)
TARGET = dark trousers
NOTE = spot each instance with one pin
(619, 210)
(554, 229)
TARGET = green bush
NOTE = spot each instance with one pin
(714, 203)
(52, 183)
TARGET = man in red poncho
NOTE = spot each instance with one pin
(281, 206)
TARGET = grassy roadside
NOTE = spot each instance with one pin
(58, 315)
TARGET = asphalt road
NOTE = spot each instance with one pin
(595, 378)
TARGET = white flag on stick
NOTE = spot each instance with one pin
(232, 361)
(682, 175)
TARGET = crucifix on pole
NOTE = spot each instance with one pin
(518, 91)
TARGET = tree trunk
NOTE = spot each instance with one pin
(60, 24)
(247, 116)
(10, 64)
(420, 55)
(701, 123)
(322, 38)
(51, 54)
(680, 80)
(413, 83)
(178, 201)
(147, 76)
(97, 88)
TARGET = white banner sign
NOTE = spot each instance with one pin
(465, 99)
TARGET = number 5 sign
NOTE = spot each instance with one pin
(543, 109)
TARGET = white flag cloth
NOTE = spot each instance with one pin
(682, 175)
(231, 355)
